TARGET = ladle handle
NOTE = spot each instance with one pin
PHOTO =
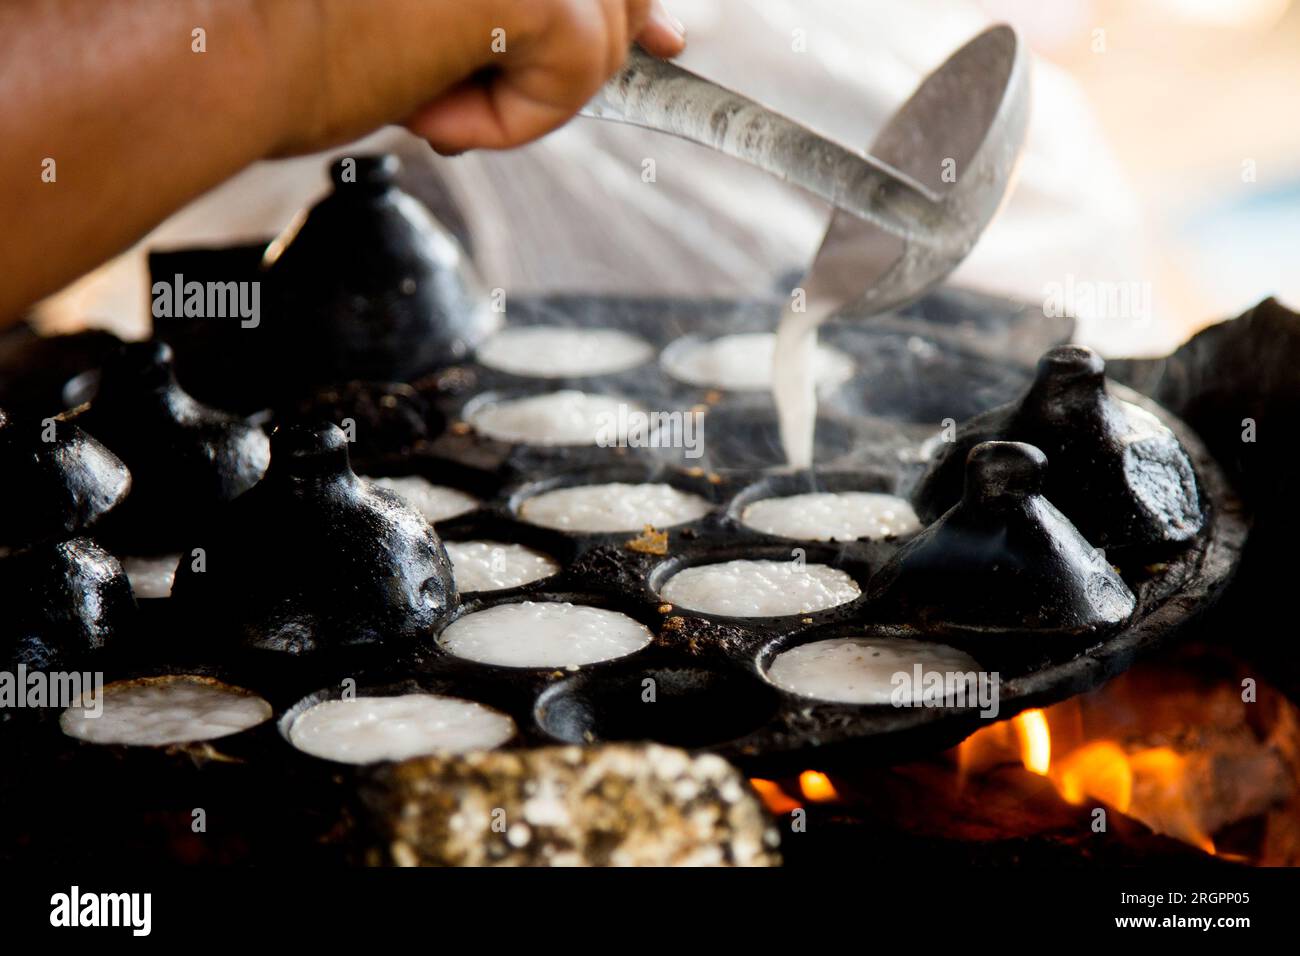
(655, 94)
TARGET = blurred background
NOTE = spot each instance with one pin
(1163, 158)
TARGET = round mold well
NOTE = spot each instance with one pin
(814, 731)
(769, 651)
(697, 484)
(482, 692)
(843, 556)
(247, 744)
(557, 546)
(518, 675)
(477, 403)
(647, 355)
(691, 706)
(804, 482)
(156, 788)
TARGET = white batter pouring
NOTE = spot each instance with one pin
(794, 384)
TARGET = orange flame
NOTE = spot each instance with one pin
(1160, 777)
(1101, 770)
(1035, 741)
(814, 786)
(774, 798)
(817, 787)
(1155, 785)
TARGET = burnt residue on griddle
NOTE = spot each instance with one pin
(382, 417)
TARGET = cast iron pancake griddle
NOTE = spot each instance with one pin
(939, 359)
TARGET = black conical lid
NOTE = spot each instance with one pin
(1118, 473)
(58, 480)
(1003, 559)
(316, 559)
(370, 286)
(185, 458)
(62, 600)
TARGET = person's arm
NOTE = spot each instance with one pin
(111, 118)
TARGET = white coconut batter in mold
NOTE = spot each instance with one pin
(550, 351)
(368, 729)
(613, 507)
(157, 711)
(833, 516)
(435, 502)
(743, 362)
(544, 634)
(494, 565)
(566, 417)
(759, 588)
(861, 670)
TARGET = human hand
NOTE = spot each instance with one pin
(470, 74)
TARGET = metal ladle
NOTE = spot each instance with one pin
(903, 216)
(934, 177)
